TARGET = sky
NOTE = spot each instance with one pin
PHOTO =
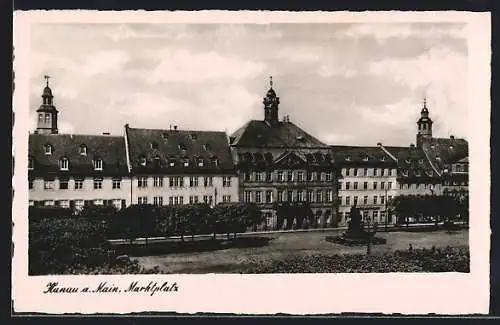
(352, 84)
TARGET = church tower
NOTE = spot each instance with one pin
(424, 124)
(47, 112)
(271, 102)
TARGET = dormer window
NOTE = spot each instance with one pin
(194, 136)
(420, 161)
(181, 146)
(142, 161)
(83, 150)
(157, 161)
(382, 158)
(31, 163)
(48, 149)
(300, 138)
(97, 164)
(429, 173)
(171, 164)
(417, 173)
(366, 158)
(215, 162)
(407, 161)
(154, 145)
(404, 173)
(347, 158)
(186, 163)
(200, 162)
(451, 147)
(164, 136)
(207, 147)
(64, 164)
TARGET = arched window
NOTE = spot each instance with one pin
(64, 163)
(97, 162)
(83, 150)
(48, 149)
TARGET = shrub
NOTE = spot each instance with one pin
(39, 212)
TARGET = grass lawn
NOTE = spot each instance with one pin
(286, 245)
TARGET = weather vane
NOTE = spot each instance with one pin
(47, 77)
(271, 81)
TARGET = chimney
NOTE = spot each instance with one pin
(412, 146)
(126, 126)
(175, 127)
(452, 137)
(379, 144)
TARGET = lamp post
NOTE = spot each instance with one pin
(386, 211)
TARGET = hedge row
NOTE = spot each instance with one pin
(422, 260)
(439, 207)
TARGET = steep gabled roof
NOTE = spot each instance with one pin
(111, 149)
(412, 162)
(445, 151)
(161, 147)
(360, 155)
(259, 134)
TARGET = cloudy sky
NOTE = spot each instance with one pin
(351, 84)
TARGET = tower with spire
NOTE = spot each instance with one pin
(47, 112)
(271, 103)
(424, 124)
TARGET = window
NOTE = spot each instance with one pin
(375, 172)
(348, 158)
(210, 200)
(157, 181)
(142, 200)
(78, 183)
(365, 200)
(48, 184)
(382, 185)
(158, 200)
(63, 183)
(97, 183)
(117, 183)
(280, 196)
(208, 181)
(258, 177)
(78, 205)
(186, 163)
(393, 172)
(339, 186)
(64, 164)
(347, 185)
(83, 150)
(348, 172)
(193, 199)
(375, 198)
(365, 158)
(300, 196)
(47, 117)
(48, 149)
(355, 172)
(319, 196)
(310, 196)
(181, 146)
(289, 176)
(347, 200)
(269, 176)
(328, 176)
(365, 172)
(142, 182)
(49, 203)
(374, 185)
(31, 164)
(248, 196)
(355, 200)
(171, 163)
(329, 196)
(193, 181)
(314, 176)
(97, 164)
(355, 185)
(154, 145)
(281, 177)
(258, 196)
(289, 196)
(365, 185)
(339, 198)
(382, 199)
(389, 198)
(226, 198)
(322, 177)
(389, 185)
(30, 184)
(226, 181)
(201, 162)
(40, 117)
(176, 200)
(215, 162)
(269, 196)
(207, 147)
(300, 176)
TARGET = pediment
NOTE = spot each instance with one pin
(289, 159)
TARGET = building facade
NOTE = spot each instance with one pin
(72, 171)
(283, 168)
(172, 167)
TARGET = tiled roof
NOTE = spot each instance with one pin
(445, 151)
(111, 149)
(356, 155)
(286, 157)
(412, 162)
(159, 148)
(259, 134)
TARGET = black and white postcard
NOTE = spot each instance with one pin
(251, 162)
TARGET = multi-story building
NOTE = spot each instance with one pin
(74, 170)
(171, 167)
(279, 164)
(367, 180)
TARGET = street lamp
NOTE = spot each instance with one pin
(386, 211)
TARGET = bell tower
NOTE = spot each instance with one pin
(424, 124)
(271, 103)
(47, 112)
